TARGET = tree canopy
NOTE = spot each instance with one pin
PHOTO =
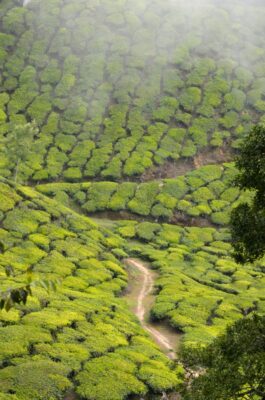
(235, 364)
(248, 219)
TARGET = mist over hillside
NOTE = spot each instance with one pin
(129, 67)
(119, 124)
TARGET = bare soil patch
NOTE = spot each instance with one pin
(178, 218)
(173, 169)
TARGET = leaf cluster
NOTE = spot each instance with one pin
(248, 219)
(233, 365)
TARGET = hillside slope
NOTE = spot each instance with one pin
(205, 192)
(117, 87)
(82, 336)
(138, 109)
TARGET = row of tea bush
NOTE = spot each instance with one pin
(203, 192)
(116, 87)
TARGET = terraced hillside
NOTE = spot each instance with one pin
(205, 192)
(138, 109)
(81, 337)
(117, 87)
(201, 289)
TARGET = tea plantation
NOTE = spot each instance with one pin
(119, 124)
(116, 87)
(82, 336)
(204, 192)
(200, 289)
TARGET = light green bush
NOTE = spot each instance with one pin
(175, 188)
(230, 194)
(121, 197)
(158, 377)
(159, 210)
(98, 196)
(147, 230)
(203, 194)
(190, 98)
(144, 198)
(109, 377)
(235, 100)
(221, 218)
(128, 229)
(72, 174)
(40, 379)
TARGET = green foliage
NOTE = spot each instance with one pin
(82, 329)
(15, 340)
(158, 377)
(190, 98)
(99, 195)
(204, 191)
(248, 220)
(200, 289)
(40, 379)
(120, 122)
(147, 230)
(8, 197)
(109, 377)
(18, 145)
(119, 90)
(144, 197)
(234, 362)
(123, 194)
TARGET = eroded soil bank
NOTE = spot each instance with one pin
(172, 169)
(178, 218)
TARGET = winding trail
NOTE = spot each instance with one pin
(164, 336)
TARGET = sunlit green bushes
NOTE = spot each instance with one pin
(99, 196)
(144, 197)
(200, 289)
(81, 329)
(110, 377)
(39, 379)
(205, 191)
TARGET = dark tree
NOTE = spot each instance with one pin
(248, 219)
(234, 364)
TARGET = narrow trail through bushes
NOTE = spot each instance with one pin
(141, 298)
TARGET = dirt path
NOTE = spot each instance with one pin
(141, 298)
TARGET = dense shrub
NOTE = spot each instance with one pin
(109, 377)
(144, 198)
(117, 90)
(99, 195)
